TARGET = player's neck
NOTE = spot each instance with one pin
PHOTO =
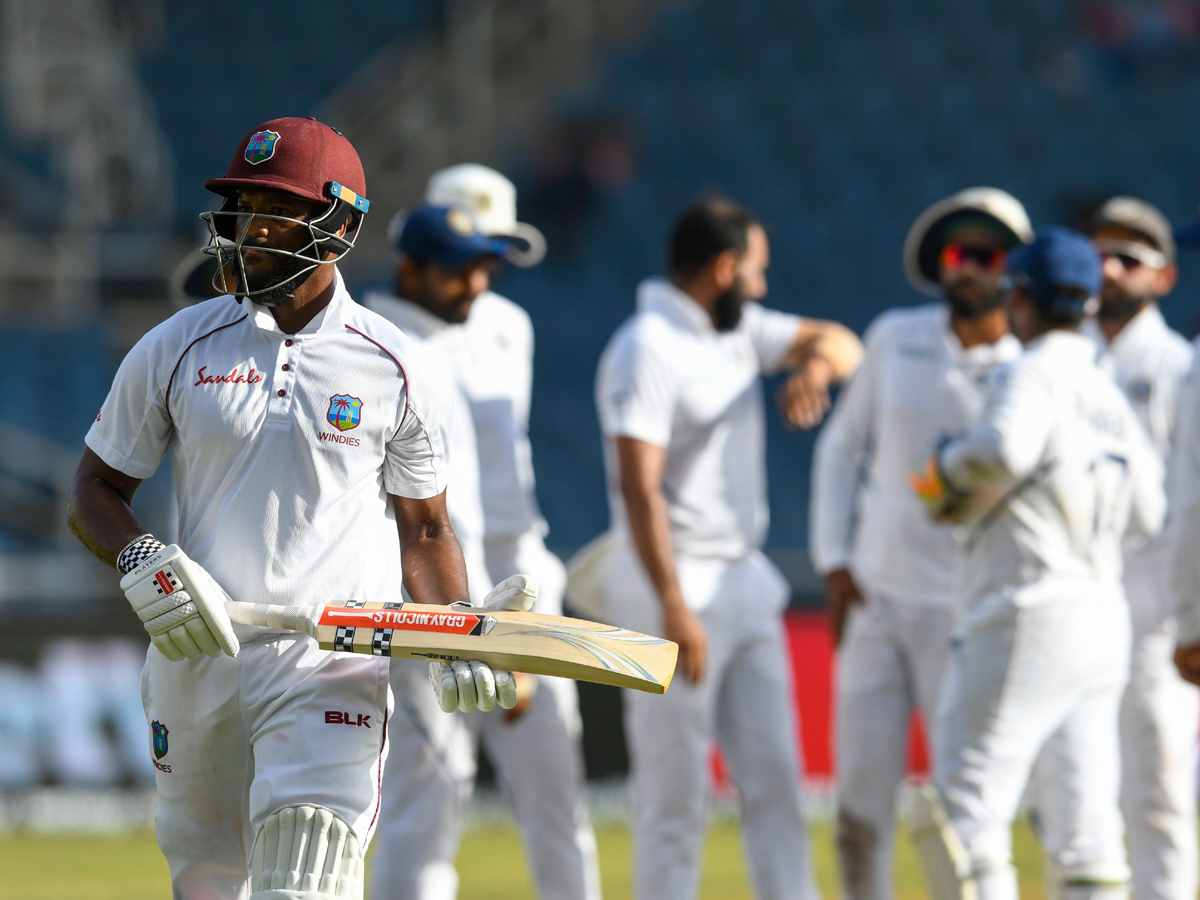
(307, 302)
(985, 329)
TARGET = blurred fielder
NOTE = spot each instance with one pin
(681, 411)
(889, 570)
(1042, 646)
(449, 250)
(1160, 713)
(305, 435)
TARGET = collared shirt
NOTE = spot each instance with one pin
(1060, 440)
(284, 447)
(496, 374)
(916, 385)
(668, 377)
(447, 353)
(1148, 361)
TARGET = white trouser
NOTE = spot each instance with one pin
(1051, 677)
(1159, 723)
(537, 758)
(744, 701)
(233, 740)
(892, 660)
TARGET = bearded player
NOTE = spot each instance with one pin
(889, 570)
(305, 442)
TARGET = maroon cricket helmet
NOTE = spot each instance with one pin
(301, 156)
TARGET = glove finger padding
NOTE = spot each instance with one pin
(183, 640)
(517, 592)
(210, 602)
(506, 688)
(485, 686)
(445, 686)
(468, 699)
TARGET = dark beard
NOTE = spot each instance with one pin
(1121, 308)
(282, 279)
(727, 308)
(971, 309)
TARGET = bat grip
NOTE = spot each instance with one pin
(268, 615)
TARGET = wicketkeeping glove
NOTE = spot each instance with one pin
(467, 686)
(941, 498)
(181, 606)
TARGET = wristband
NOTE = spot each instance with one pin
(137, 552)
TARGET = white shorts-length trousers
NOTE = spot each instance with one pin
(744, 702)
(1048, 676)
(233, 740)
(538, 761)
(892, 660)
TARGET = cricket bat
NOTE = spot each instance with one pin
(518, 641)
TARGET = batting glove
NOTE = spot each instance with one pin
(180, 605)
(467, 686)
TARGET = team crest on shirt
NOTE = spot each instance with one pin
(158, 739)
(261, 147)
(344, 412)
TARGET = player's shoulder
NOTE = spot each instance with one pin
(170, 339)
(384, 334)
(907, 322)
(498, 311)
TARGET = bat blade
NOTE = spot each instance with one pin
(520, 641)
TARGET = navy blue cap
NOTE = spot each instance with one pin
(446, 235)
(1057, 259)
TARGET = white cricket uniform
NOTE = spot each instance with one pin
(538, 758)
(669, 378)
(916, 384)
(284, 450)
(1160, 712)
(1043, 642)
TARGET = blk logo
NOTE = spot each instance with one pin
(333, 717)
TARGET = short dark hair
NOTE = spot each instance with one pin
(704, 231)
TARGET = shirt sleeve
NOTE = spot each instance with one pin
(1009, 439)
(417, 456)
(842, 452)
(133, 429)
(772, 333)
(636, 391)
(1183, 531)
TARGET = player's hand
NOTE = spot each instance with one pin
(181, 606)
(464, 687)
(942, 501)
(468, 686)
(684, 628)
(843, 593)
(804, 395)
(1187, 661)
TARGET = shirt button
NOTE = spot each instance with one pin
(286, 367)
(287, 343)
(282, 393)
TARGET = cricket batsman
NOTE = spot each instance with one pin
(306, 442)
(680, 407)
(1042, 646)
(448, 253)
(1160, 712)
(888, 568)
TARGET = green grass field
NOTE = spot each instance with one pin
(130, 868)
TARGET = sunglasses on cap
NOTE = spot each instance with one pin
(1131, 254)
(953, 256)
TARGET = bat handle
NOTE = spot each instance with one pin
(268, 615)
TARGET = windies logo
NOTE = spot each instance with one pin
(158, 733)
(344, 411)
(261, 147)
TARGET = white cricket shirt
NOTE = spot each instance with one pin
(668, 377)
(1148, 361)
(1080, 475)
(916, 384)
(1183, 533)
(446, 348)
(284, 447)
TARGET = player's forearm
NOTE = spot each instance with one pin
(650, 528)
(834, 343)
(434, 570)
(835, 478)
(99, 514)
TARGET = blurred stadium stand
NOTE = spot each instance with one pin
(837, 120)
